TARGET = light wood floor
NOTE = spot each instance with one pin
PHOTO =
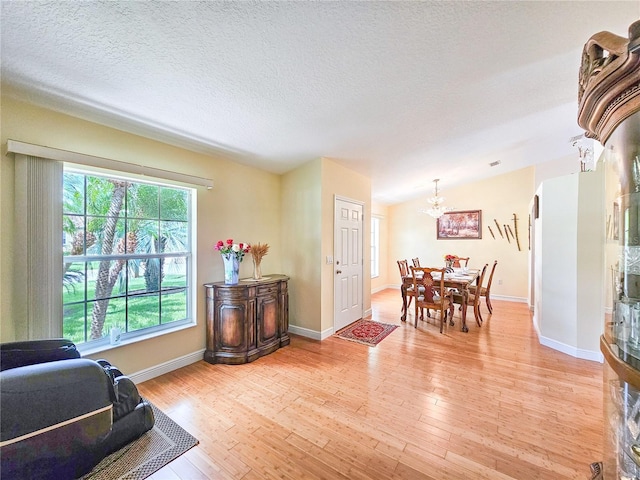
(491, 404)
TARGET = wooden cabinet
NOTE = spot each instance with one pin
(247, 320)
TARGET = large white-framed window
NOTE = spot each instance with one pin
(101, 243)
(127, 256)
(375, 247)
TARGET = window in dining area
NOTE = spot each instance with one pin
(375, 247)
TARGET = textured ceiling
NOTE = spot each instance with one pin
(403, 92)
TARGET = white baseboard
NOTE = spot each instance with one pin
(166, 367)
(326, 333)
(594, 356)
(306, 332)
(384, 287)
(314, 334)
(367, 313)
(507, 298)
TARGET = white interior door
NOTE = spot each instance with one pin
(348, 263)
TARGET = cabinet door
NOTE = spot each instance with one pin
(284, 314)
(231, 327)
(267, 314)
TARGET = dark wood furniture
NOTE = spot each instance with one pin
(457, 262)
(433, 295)
(485, 291)
(406, 290)
(472, 298)
(247, 320)
(461, 282)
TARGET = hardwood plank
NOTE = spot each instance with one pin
(491, 403)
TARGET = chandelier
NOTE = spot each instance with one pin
(585, 152)
(437, 209)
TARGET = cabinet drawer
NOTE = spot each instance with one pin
(267, 290)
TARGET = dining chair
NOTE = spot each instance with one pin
(416, 262)
(433, 295)
(403, 265)
(486, 291)
(472, 299)
(405, 273)
(457, 261)
(457, 264)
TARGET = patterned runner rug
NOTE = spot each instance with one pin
(367, 332)
(153, 450)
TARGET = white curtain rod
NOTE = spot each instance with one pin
(15, 146)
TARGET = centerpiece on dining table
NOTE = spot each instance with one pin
(232, 254)
(448, 262)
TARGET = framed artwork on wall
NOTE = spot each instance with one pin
(460, 225)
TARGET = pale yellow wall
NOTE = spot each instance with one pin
(412, 233)
(301, 242)
(308, 194)
(347, 184)
(384, 279)
(244, 204)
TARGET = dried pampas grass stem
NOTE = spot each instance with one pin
(259, 250)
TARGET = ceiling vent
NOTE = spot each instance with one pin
(493, 164)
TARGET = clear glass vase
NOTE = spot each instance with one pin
(257, 271)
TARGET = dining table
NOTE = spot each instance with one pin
(460, 280)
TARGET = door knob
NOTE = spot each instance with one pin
(338, 272)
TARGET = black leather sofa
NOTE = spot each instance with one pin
(61, 414)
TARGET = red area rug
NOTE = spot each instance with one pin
(366, 331)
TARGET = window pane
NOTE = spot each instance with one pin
(107, 279)
(174, 306)
(142, 201)
(151, 276)
(116, 315)
(102, 315)
(174, 204)
(375, 247)
(175, 273)
(73, 237)
(73, 281)
(144, 312)
(104, 196)
(98, 229)
(144, 234)
(131, 242)
(175, 236)
(74, 325)
(73, 192)
(91, 274)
